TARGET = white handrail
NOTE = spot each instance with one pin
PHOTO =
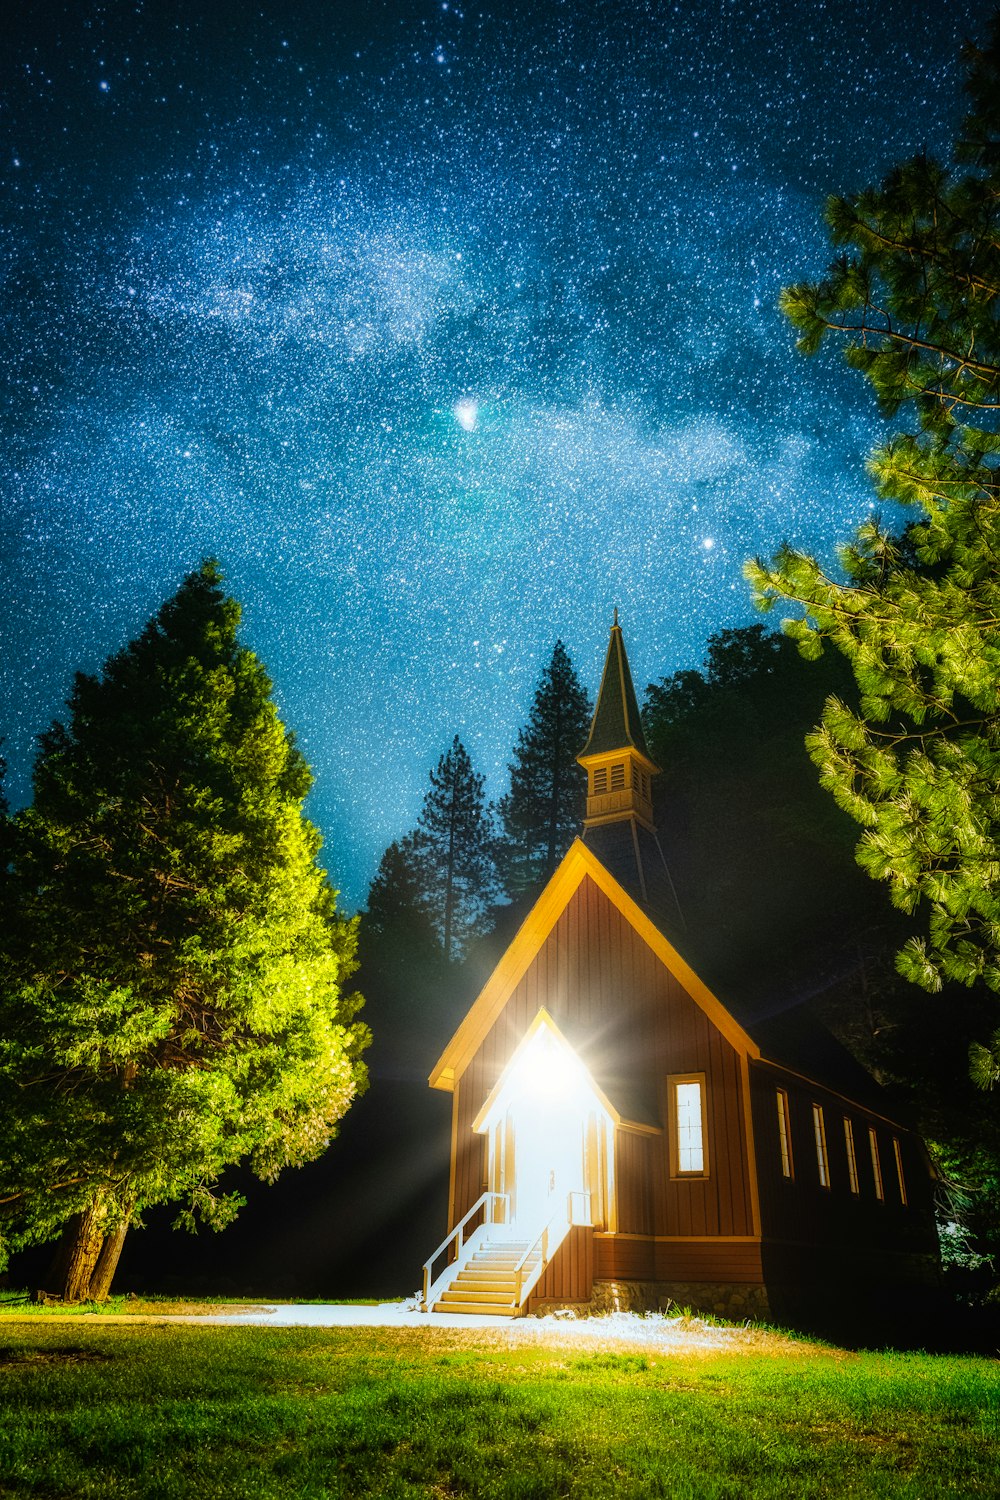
(541, 1240)
(522, 1288)
(459, 1233)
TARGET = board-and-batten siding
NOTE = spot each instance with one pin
(569, 1276)
(600, 982)
(799, 1211)
(625, 1259)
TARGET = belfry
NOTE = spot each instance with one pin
(619, 824)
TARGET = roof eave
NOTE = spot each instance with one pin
(577, 863)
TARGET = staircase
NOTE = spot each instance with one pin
(486, 1284)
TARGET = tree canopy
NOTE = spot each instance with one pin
(760, 857)
(171, 999)
(453, 842)
(913, 300)
(542, 812)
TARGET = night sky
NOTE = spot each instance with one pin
(447, 327)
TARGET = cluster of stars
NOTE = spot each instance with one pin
(446, 332)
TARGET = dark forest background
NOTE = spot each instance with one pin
(777, 914)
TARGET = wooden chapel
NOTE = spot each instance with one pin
(624, 1138)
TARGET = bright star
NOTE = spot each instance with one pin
(467, 414)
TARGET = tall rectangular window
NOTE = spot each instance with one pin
(688, 1146)
(822, 1161)
(897, 1153)
(876, 1167)
(852, 1160)
(784, 1134)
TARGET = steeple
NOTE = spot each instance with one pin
(618, 764)
(619, 825)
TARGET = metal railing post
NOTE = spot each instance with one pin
(486, 1202)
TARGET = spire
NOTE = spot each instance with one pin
(616, 724)
(619, 824)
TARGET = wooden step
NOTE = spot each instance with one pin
(459, 1294)
(485, 1286)
(474, 1309)
(484, 1283)
(486, 1268)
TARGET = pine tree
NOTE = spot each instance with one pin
(543, 811)
(171, 998)
(914, 297)
(738, 796)
(406, 980)
(398, 907)
(454, 843)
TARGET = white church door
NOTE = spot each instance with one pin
(549, 1135)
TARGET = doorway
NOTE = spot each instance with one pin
(550, 1136)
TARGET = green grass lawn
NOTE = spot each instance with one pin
(193, 1411)
(18, 1304)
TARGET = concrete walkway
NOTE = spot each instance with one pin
(655, 1332)
(286, 1315)
(344, 1315)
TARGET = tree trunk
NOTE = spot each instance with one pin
(55, 1276)
(107, 1263)
(78, 1252)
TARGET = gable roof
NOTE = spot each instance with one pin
(616, 723)
(579, 863)
(789, 1039)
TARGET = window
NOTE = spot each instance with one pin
(784, 1134)
(897, 1153)
(618, 777)
(876, 1168)
(600, 780)
(852, 1160)
(819, 1131)
(688, 1154)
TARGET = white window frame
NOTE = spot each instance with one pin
(897, 1152)
(785, 1136)
(822, 1155)
(852, 1156)
(674, 1082)
(876, 1164)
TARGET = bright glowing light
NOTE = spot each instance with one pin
(549, 1072)
(544, 1104)
(467, 414)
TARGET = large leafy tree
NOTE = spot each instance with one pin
(914, 299)
(172, 993)
(543, 810)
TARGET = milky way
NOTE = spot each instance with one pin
(446, 328)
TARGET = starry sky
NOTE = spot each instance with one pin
(445, 326)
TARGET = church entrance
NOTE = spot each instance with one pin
(550, 1137)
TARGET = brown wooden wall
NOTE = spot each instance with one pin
(569, 1276)
(632, 1024)
(621, 1258)
(801, 1211)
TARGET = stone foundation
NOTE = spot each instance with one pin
(723, 1299)
(545, 1309)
